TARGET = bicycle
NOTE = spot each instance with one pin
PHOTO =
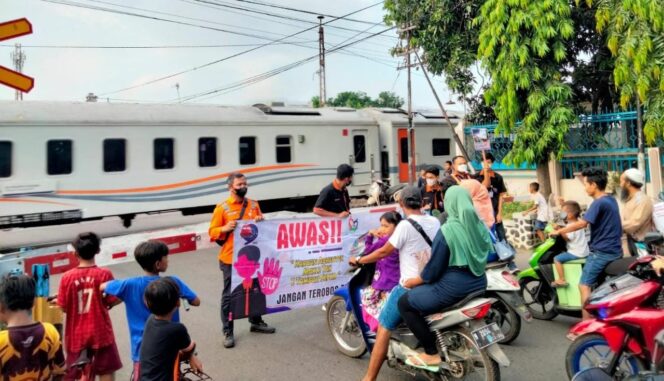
(83, 366)
(188, 374)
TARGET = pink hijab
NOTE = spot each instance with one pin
(481, 201)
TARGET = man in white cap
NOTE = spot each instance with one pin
(638, 208)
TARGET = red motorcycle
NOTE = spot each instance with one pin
(629, 312)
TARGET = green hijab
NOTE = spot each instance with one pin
(466, 235)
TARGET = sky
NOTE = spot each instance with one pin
(69, 74)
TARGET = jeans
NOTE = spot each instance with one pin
(227, 271)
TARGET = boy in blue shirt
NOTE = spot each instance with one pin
(152, 256)
(603, 216)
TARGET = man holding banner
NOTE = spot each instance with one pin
(224, 220)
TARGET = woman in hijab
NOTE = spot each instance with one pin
(455, 270)
(481, 201)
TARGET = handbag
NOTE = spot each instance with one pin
(503, 249)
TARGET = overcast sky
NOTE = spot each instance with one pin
(69, 74)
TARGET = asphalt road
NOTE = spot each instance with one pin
(302, 349)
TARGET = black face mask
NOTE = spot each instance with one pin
(241, 192)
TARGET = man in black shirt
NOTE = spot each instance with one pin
(432, 196)
(334, 200)
(165, 342)
(496, 186)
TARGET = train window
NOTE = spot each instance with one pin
(441, 147)
(359, 149)
(284, 154)
(207, 152)
(5, 159)
(164, 153)
(404, 150)
(59, 157)
(115, 155)
(247, 150)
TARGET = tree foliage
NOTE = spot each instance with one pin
(522, 45)
(444, 32)
(635, 35)
(359, 99)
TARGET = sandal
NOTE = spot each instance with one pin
(417, 362)
(557, 284)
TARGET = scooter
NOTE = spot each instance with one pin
(468, 347)
(628, 313)
(509, 308)
(543, 300)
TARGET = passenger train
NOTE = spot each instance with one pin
(71, 162)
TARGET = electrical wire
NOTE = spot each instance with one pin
(218, 60)
(146, 46)
(266, 75)
(271, 5)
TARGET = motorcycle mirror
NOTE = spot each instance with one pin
(592, 374)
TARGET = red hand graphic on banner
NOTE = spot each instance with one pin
(269, 278)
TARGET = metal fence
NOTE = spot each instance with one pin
(605, 140)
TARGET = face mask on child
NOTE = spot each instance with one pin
(431, 182)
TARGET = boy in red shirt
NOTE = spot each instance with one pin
(88, 324)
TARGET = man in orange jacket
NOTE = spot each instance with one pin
(224, 220)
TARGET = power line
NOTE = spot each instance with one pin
(263, 76)
(227, 57)
(272, 20)
(126, 13)
(285, 17)
(271, 5)
(146, 46)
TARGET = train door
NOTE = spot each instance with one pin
(402, 144)
(360, 158)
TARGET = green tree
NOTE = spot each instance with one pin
(522, 45)
(360, 99)
(635, 33)
(443, 30)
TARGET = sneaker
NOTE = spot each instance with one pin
(262, 327)
(229, 341)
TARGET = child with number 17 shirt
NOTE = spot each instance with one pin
(88, 324)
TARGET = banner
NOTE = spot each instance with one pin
(283, 264)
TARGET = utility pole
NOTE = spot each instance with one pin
(18, 59)
(407, 33)
(177, 88)
(641, 156)
(321, 59)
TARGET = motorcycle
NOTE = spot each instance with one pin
(543, 300)
(468, 346)
(381, 193)
(509, 308)
(655, 373)
(628, 311)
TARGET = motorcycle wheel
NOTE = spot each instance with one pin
(592, 350)
(507, 319)
(348, 339)
(542, 306)
(477, 364)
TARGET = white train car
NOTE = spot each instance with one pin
(70, 162)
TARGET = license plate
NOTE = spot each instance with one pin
(487, 335)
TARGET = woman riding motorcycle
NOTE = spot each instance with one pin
(455, 270)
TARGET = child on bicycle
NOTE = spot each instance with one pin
(88, 325)
(387, 270)
(577, 243)
(29, 350)
(152, 256)
(165, 343)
